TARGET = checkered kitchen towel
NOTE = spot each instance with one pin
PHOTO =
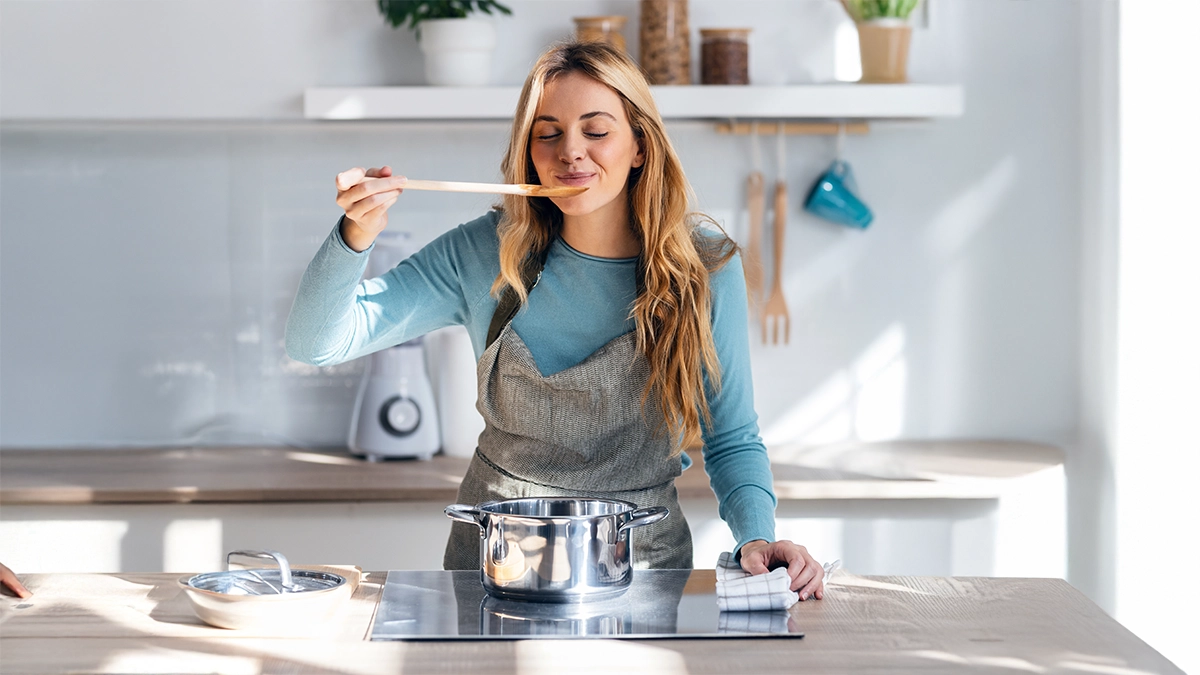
(739, 591)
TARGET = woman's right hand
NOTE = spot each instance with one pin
(366, 195)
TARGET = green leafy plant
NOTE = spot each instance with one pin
(397, 12)
(866, 10)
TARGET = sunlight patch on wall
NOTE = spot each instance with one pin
(863, 401)
(53, 546)
(964, 216)
(881, 377)
(193, 545)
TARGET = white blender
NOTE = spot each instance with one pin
(394, 413)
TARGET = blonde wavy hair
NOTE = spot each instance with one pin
(672, 311)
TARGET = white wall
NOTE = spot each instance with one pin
(148, 267)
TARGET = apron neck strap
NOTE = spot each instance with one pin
(510, 302)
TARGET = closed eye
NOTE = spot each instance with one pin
(547, 137)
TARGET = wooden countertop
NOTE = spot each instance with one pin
(955, 469)
(142, 623)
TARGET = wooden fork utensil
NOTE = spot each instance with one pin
(776, 312)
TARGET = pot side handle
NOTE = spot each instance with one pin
(646, 516)
(465, 513)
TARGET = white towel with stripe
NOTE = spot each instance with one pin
(740, 591)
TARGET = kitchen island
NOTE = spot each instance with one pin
(141, 623)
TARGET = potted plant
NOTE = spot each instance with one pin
(883, 37)
(457, 48)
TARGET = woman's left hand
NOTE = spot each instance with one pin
(760, 557)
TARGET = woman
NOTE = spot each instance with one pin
(610, 330)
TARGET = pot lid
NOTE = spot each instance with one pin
(266, 581)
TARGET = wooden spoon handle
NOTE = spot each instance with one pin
(492, 188)
(756, 203)
(780, 226)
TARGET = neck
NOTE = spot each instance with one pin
(604, 233)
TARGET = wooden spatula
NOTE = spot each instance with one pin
(752, 262)
(522, 189)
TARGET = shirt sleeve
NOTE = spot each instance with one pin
(336, 317)
(735, 457)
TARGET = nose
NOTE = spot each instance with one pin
(571, 149)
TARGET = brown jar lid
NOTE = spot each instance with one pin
(617, 21)
(726, 33)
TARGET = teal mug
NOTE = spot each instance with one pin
(833, 198)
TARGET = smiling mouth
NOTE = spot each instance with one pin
(575, 179)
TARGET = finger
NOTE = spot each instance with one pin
(359, 208)
(796, 565)
(349, 178)
(811, 581)
(17, 587)
(379, 210)
(814, 588)
(804, 581)
(755, 562)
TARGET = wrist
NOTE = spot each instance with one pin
(749, 546)
(355, 236)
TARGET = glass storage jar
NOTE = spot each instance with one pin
(725, 56)
(666, 52)
(601, 29)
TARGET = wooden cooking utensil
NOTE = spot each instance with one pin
(776, 311)
(756, 203)
(522, 189)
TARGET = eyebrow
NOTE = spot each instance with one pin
(587, 116)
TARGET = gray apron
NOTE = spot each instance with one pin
(580, 432)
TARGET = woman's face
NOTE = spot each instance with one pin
(582, 137)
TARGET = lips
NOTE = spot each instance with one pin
(574, 179)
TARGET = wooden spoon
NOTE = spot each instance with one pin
(756, 202)
(522, 189)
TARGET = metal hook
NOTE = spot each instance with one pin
(841, 140)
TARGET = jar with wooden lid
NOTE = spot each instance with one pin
(725, 56)
(601, 29)
(666, 51)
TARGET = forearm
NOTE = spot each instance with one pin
(750, 514)
(321, 325)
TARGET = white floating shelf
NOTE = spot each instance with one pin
(810, 101)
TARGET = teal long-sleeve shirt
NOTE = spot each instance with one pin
(580, 304)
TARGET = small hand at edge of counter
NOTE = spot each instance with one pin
(10, 581)
(760, 557)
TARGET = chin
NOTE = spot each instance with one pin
(583, 204)
(574, 206)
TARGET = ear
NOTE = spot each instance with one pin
(640, 158)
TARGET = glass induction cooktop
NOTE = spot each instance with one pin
(425, 605)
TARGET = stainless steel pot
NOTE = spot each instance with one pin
(548, 549)
(279, 599)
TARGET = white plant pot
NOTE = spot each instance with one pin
(458, 52)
